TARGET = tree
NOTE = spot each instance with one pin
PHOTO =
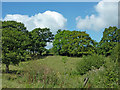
(39, 38)
(109, 41)
(73, 43)
(0, 42)
(14, 43)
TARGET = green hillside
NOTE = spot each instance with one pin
(55, 72)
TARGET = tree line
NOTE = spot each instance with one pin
(77, 43)
(19, 44)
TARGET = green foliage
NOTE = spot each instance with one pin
(111, 75)
(14, 42)
(89, 62)
(39, 38)
(0, 44)
(116, 53)
(73, 43)
(104, 77)
(112, 69)
(18, 43)
(109, 40)
(13, 24)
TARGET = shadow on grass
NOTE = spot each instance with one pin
(38, 57)
(12, 72)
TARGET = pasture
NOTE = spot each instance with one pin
(52, 72)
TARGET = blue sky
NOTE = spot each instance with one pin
(69, 10)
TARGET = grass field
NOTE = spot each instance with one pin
(51, 72)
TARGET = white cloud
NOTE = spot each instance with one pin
(49, 45)
(49, 19)
(107, 11)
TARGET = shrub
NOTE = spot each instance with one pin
(88, 62)
(115, 53)
(111, 77)
(112, 69)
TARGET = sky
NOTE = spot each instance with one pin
(92, 17)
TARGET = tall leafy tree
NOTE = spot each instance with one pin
(0, 41)
(14, 43)
(73, 43)
(109, 40)
(39, 38)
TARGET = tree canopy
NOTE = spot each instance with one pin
(14, 42)
(109, 40)
(73, 43)
(39, 38)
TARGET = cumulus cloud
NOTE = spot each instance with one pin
(48, 19)
(107, 11)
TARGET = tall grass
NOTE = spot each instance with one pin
(39, 73)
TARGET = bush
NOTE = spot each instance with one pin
(115, 53)
(88, 62)
(111, 76)
(112, 68)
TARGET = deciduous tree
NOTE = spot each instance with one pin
(109, 40)
(73, 43)
(39, 38)
(14, 43)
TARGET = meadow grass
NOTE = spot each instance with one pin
(54, 63)
(51, 72)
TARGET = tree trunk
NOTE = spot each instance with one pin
(7, 68)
